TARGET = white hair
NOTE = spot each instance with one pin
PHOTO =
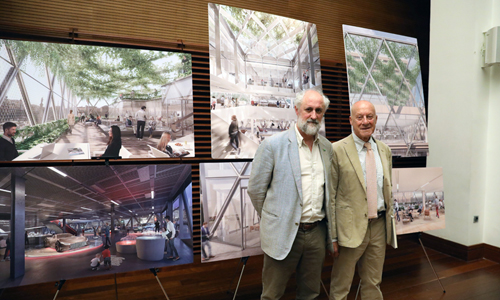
(300, 97)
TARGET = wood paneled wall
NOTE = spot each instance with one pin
(187, 20)
(183, 26)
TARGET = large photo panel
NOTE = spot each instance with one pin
(258, 62)
(419, 199)
(143, 214)
(72, 102)
(230, 224)
(384, 69)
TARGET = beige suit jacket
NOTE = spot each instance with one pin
(349, 192)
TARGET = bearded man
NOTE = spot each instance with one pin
(290, 188)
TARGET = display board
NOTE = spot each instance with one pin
(419, 200)
(67, 210)
(258, 62)
(103, 86)
(232, 223)
(384, 69)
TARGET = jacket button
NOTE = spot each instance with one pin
(300, 204)
(365, 215)
(297, 224)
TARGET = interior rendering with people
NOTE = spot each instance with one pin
(418, 199)
(258, 62)
(232, 224)
(139, 216)
(65, 100)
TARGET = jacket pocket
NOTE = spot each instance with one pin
(269, 213)
(344, 223)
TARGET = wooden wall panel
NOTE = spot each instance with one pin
(174, 20)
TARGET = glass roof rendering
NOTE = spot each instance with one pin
(263, 34)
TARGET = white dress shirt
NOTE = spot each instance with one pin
(378, 164)
(140, 115)
(313, 180)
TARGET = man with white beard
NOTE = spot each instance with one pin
(290, 188)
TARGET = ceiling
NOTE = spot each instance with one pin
(87, 191)
(417, 179)
(263, 34)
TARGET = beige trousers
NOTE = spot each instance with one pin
(369, 256)
(306, 258)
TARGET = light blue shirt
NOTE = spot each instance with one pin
(360, 147)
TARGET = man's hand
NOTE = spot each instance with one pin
(335, 249)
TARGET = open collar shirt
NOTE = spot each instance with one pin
(313, 180)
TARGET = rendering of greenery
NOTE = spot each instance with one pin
(93, 72)
(395, 83)
(256, 25)
(41, 133)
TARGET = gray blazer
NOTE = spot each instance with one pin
(275, 188)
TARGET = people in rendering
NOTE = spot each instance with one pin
(114, 142)
(106, 230)
(157, 225)
(234, 131)
(8, 149)
(3, 244)
(170, 236)
(163, 144)
(141, 118)
(152, 128)
(95, 262)
(396, 209)
(106, 256)
(6, 255)
(205, 242)
(436, 204)
(71, 121)
(291, 189)
(164, 235)
(409, 213)
(362, 171)
(128, 121)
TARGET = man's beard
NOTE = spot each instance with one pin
(309, 126)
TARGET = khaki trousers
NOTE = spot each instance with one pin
(369, 256)
(306, 258)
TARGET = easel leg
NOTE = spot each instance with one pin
(423, 248)
(155, 271)
(59, 286)
(244, 261)
(324, 288)
(359, 288)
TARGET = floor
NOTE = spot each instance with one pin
(98, 139)
(407, 275)
(77, 264)
(421, 223)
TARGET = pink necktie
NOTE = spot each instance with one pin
(371, 182)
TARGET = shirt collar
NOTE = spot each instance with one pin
(360, 144)
(300, 139)
(9, 139)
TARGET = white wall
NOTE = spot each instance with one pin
(461, 94)
(492, 203)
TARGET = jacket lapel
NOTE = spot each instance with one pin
(293, 156)
(353, 156)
